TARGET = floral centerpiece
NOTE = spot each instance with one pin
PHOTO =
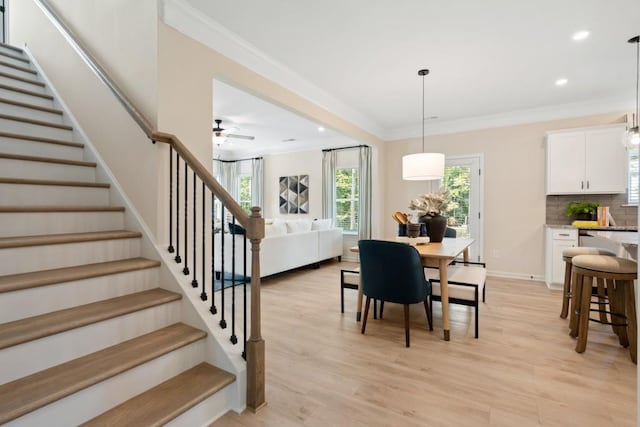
(431, 204)
(429, 207)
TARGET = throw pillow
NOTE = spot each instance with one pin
(236, 229)
(321, 224)
(275, 229)
(298, 226)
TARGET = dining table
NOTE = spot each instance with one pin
(438, 255)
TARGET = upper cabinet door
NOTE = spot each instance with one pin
(587, 161)
(565, 163)
(606, 161)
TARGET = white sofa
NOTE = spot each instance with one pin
(288, 244)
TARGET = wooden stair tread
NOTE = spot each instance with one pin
(22, 79)
(40, 139)
(26, 181)
(29, 393)
(15, 282)
(18, 67)
(26, 91)
(47, 160)
(32, 328)
(166, 401)
(56, 239)
(31, 106)
(16, 57)
(35, 122)
(66, 208)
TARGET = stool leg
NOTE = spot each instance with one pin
(617, 300)
(602, 298)
(566, 290)
(631, 320)
(585, 305)
(576, 293)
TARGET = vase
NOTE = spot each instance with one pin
(436, 226)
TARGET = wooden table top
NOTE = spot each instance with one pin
(448, 249)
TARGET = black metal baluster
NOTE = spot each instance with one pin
(194, 282)
(203, 295)
(244, 302)
(170, 248)
(185, 270)
(213, 309)
(177, 258)
(223, 322)
(233, 338)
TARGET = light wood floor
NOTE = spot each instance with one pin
(522, 371)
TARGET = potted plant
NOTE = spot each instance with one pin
(582, 210)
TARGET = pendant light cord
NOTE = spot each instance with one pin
(423, 113)
(637, 121)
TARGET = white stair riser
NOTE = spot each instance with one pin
(30, 302)
(209, 410)
(26, 147)
(14, 126)
(16, 72)
(14, 61)
(54, 195)
(30, 113)
(11, 51)
(34, 258)
(23, 97)
(27, 358)
(21, 84)
(37, 223)
(90, 402)
(10, 168)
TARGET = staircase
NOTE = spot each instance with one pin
(87, 332)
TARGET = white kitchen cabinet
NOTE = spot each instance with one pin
(587, 161)
(557, 240)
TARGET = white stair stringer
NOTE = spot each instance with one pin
(52, 195)
(43, 299)
(87, 403)
(25, 359)
(37, 223)
(10, 145)
(46, 257)
(29, 169)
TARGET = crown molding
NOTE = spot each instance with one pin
(190, 21)
(533, 115)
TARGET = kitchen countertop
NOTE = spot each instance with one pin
(610, 228)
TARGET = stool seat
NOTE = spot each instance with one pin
(583, 250)
(606, 264)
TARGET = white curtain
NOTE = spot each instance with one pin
(257, 182)
(329, 184)
(364, 214)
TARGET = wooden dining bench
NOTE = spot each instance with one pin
(466, 284)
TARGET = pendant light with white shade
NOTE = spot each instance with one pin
(634, 131)
(423, 166)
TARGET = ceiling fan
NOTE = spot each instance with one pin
(220, 132)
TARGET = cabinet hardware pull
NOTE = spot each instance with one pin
(564, 234)
(582, 185)
(587, 185)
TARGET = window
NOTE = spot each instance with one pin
(633, 196)
(347, 197)
(457, 181)
(244, 192)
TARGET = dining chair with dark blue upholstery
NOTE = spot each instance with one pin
(393, 272)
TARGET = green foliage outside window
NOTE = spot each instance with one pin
(458, 183)
(244, 192)
(347, 197)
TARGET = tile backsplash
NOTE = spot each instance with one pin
(623, 215)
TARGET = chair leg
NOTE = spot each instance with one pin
(341, 298)
(617, 307)
(406, 324)
(585, 305)
(366, 313)
(631, 321)
(477, 307)
(427, 309)
(381, 308)
(566, 290)
(576, 293)
(483, 289)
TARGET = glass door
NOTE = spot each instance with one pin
(463, 180)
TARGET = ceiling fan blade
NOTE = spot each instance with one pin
(233, 135)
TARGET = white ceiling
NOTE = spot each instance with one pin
(491, 62)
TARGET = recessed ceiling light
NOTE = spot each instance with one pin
(562, 82)
(289, 140)
(320, 129)
(580, 35)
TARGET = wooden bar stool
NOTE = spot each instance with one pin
(567, 255)
(619, 274)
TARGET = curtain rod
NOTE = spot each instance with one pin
(238, 160)
(343, 148)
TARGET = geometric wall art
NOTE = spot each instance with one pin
(293, 196)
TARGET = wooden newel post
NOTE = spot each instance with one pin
(255, 344)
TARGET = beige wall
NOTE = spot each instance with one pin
(514, 200)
